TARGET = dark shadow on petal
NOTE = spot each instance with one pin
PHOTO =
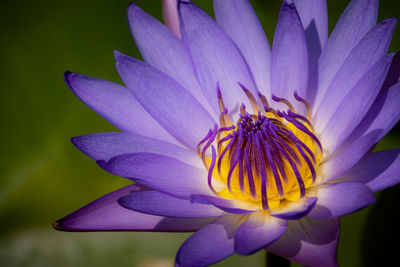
(364, 174)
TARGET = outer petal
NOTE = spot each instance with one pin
(163, 50)
(309, 242)
(240, 22)
(349, 156)
(289, 63)
(367, 52)
(105, 214)
(377, 170)
(231, 206)
(157, 203)
(335, 200)
(210, 244)
(166, 100)
(258, 231)
(104, 146)
(295, 210)
(170, 14)
(384, 113)
(355, 105)
(358, 18)
(117, 105)
(314, 17)
(215, 57)
(160, 172)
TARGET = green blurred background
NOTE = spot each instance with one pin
(44, 177)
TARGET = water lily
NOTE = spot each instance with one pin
(249, 147)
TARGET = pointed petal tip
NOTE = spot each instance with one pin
(118, 55)
(68, 75)
(59, 225)
(131, 10)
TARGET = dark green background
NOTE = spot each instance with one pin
(43, 177)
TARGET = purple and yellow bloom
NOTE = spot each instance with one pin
(249, 147)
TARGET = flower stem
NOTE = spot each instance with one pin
(273, 260)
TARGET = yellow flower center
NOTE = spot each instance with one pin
(264, 158)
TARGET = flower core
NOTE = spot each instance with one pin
(264, 158)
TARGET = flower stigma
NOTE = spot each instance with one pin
(266, 157)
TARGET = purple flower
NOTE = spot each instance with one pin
(249, 147)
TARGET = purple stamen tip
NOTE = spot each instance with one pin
(243, 87)
(219, 94)
(275, 98)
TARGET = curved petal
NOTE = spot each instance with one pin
(345, 159)
(105, 214)
(367, 52)
(170, 15)
(231, 206)
(240, 22)
(216, 58)
(377, 170)
(210, 244)
(104, 146)
(295, 210)
(157, 203)
(166, 100)
(258, 231)
(393, 76)
(309, 242)
(358, 18)
(163, 50)
(335, 200)
(384, 113)
(116, 104)
(289, 62)
(354, 106)
(160, 172)
(314, 17)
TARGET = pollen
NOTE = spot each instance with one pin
(266, 156)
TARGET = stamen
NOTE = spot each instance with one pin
(298, 98)
(210, 171)
(284, 101)
(251, 98)
(212, 138)
(264, 156)
(203, 140)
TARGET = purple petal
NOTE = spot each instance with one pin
(358, 18)
(367, 52)
(215, 56)
(393, 76)
(161, 173)
(335, 200)
(258, 231)
(104, 146)
(377, 170)
(350, 155)
(166, 100)
(355, 105)
(163, 50)
(170, 15)
(295, 210)
(314, 17)
(384, 113)
(289, 63)
(210, 244)
(117, 105)
(157, 203)
(309, 242)
(240, 22)
(231, 206)
(105, 214)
